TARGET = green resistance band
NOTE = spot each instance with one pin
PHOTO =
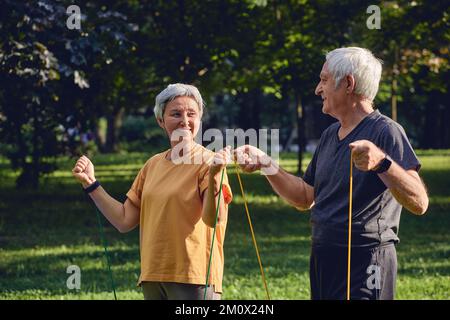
(214, 235)
(105, 246)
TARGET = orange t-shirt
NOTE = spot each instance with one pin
(174, 241)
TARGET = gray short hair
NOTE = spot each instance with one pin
(173, 91)
(361, 64)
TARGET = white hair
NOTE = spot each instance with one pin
(173, 91)
(361, 64)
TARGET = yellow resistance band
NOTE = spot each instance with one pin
(350, 225)
(251, 230)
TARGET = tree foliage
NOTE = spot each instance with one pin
(255, 61)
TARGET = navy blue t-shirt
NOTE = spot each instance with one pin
(376, 214)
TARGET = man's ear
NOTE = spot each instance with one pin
(350, 84)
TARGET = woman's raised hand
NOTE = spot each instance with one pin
(83, 171)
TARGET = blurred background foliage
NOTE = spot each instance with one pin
(67, 92)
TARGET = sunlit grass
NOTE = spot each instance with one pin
(42, 233)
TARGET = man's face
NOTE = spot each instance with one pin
(333, 99)
(182, 116)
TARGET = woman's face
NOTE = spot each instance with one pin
(181, 119)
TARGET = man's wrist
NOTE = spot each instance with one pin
(379, 163)
(266, 161)
(269, 166)
(383, 165)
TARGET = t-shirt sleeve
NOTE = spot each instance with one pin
(395, 143)
(226, 189)
(310, 172)
(135, 192)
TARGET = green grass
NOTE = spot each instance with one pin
(42, 233)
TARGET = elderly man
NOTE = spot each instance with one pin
(385, 179)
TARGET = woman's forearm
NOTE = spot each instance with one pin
(209, 203)
(112, 209)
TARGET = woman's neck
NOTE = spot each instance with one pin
(181, 148)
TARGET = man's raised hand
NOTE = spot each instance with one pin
(366, 155)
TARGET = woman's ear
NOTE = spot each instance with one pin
(160, 122)
(350, 84)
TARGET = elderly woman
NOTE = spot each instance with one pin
(173, 199)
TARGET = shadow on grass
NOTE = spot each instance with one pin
(42, 232)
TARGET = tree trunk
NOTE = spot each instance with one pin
(29, 177)
(248, 116)
(394, 99)
(114, 123)
(100, 136)
(255, 120)
(445, 128)
(300, 113)
(291, 124)
(394, 87)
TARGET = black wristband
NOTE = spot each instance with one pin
(92, 187)
(384, 165)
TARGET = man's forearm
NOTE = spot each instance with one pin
(291, 188)
(407, 188)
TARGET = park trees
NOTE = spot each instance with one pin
(256, 62)
(43, 68)
(413, 43)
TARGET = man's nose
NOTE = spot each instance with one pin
(318, 90)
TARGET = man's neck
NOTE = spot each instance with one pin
(355, 114)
